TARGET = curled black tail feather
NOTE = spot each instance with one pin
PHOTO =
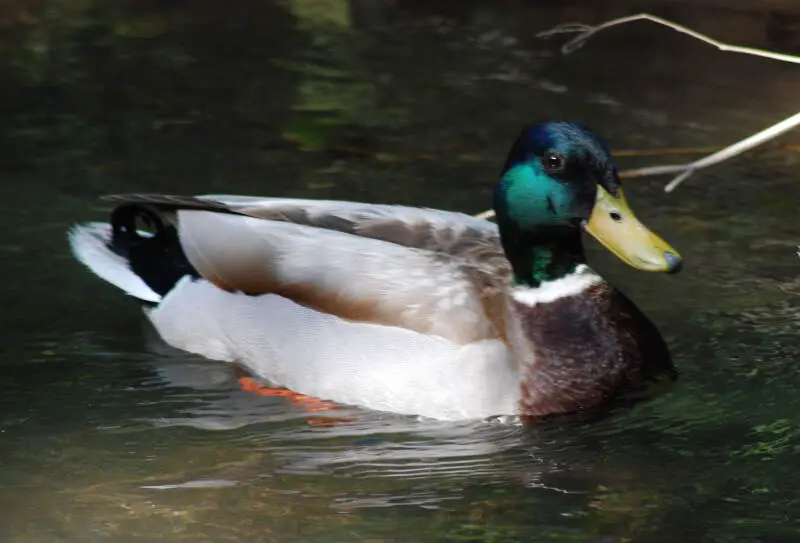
(157, 259)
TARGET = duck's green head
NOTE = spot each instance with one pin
(559, 178)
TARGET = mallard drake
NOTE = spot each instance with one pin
(409, 310)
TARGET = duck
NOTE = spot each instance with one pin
(406, 310)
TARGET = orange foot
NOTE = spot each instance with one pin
(309, 403)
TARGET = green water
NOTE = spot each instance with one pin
(108, 435)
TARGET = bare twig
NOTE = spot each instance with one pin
(739, 147)
(728, 152)
(587, 32)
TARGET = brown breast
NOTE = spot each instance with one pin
(582, 350)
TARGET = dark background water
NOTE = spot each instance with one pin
(388, 101)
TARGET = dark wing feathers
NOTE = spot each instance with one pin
(168, 201)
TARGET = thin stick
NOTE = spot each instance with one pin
(728, 152)
(587, 32)
(668, 151)
(686, 170)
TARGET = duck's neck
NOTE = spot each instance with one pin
(541, 255)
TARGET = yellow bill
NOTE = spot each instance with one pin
(615, 226)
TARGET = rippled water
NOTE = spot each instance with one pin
(108, 435)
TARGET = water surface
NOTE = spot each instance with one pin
(108, 435)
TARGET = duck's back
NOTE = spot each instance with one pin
(431, 271)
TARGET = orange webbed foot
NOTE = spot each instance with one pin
(309, 403)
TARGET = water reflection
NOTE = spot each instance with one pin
(108, 435)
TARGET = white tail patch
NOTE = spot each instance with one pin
(571, 285)
(89, 244)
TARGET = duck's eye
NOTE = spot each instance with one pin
(553, 163)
